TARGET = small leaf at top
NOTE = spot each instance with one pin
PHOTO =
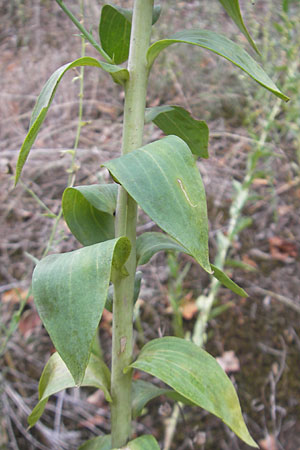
(70, 292)
(164, 180)
(97, 443)
(56, 377)
(45, 98)
(89, 212)
(176, 120)
(196, 375)
(222, 46)
(146, 442)
(114, 33)
(115, 30)
(232, 8)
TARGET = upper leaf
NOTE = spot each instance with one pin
(89, 212)
(232, 8)
(115, 30)
(146, 442)
(45, 98)
(176, 120)
(56, 377)
(97, 443)
(114, 33)
(196, 375)
(222, 46)
(164, 180)
(70, 292)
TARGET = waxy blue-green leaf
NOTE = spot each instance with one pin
(179, 122)
(222, 46)
(164, 180)
(146, 442)
(115, 30)
(196, 375)
(56, 377)
(97, 443)
(45, 98)
(232, 8)
(89, 212)
(148, 244)
(70, 292)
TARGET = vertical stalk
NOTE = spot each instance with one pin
(134, 110)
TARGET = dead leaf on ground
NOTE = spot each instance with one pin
(229, 362)
(15, 295)
(188, 307)
(282, 249)
(269, 443)
(29, 321)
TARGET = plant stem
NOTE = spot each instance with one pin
(134, 110)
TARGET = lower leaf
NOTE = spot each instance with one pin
(146, 442)
(196, 375)
(97, 443)
(56, 377)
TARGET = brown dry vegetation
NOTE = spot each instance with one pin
(262, 330)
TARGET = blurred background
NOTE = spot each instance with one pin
(252, 179)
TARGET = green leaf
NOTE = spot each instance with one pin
(232, 8)
(147, 244)
(56, 377)
(89, 212)
(115, 30)
(176, 120)
(146, 442)
(45, 98)
(70, 291)
(222, 46)
(97, 443)
(164, 180)
(196, 375)
(143, 392)
(226, 281)
(114, 33)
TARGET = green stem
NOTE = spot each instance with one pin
(134, 110)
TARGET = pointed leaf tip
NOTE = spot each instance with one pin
(197, 376)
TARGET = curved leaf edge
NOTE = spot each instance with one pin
(119, 74)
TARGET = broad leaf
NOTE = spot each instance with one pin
(97, 443)
(176, 120)
(137, 287)
(89, 212)
(226, 281)
(45, 98)
(70, 292)
(222, 46)
(114, 33)
(143, 392)
(115, 30)
(164, 180)
(149, 243)
(196, 375)
(232, 8)
(56, 377)
(146, 442)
